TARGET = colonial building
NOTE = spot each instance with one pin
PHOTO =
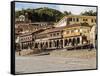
(76, 19)
(69, 32)
(41, 25)
(27, 40)
(50, 39)
(22, 18)
(63, 37)
(87, 22)
(31, 27)
(76, 35)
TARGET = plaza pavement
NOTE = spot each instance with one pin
(45, 63)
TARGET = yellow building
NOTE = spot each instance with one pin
(76, 19)
(76, 34)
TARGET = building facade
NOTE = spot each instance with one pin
(76, 35)
(76, 19)
(26, 41)
(63, 37)
(69, 32)
(49, 39)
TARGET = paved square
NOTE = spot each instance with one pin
(45, 63)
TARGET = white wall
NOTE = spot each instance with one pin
(5, 38)
(60, 24)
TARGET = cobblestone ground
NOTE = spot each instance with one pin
(45, 63)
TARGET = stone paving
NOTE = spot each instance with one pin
(45, 63)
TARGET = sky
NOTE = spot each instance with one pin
(74, 9)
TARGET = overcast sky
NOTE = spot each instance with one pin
(74, 9)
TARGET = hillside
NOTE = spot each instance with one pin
(41, 14)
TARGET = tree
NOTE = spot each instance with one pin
(89, 13)
(67, 13)
(41, 14)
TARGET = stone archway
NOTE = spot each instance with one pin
(36, 45)
(54, 43)
(66, 42)
(61, 43)
(46, 44)
(22, 46)
(50, 44)
(31, 45)
(41, 45)
(26, 45)
(84, 39)
(57, 42)
(78, 40)
(73, 42)
(69, 41)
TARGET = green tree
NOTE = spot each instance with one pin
(89, 13)
(67, 13)
(41, 14)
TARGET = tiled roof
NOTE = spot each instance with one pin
(52, 30)
(58, 28)
(81, 16)
(24, 34)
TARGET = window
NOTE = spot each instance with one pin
(67, 32)
(50, 34)
(57, 33)
(22, 39)
(92, 20)
(88, 31)
(77, 19)
(27, 37)
(84, 19)
(78, 40)
(73, 19)
(54, 34)
(72, 31)
(70, 19)
(95, 20)
(85, 31)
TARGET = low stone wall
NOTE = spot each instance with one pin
(24, 52)
(28, 52)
